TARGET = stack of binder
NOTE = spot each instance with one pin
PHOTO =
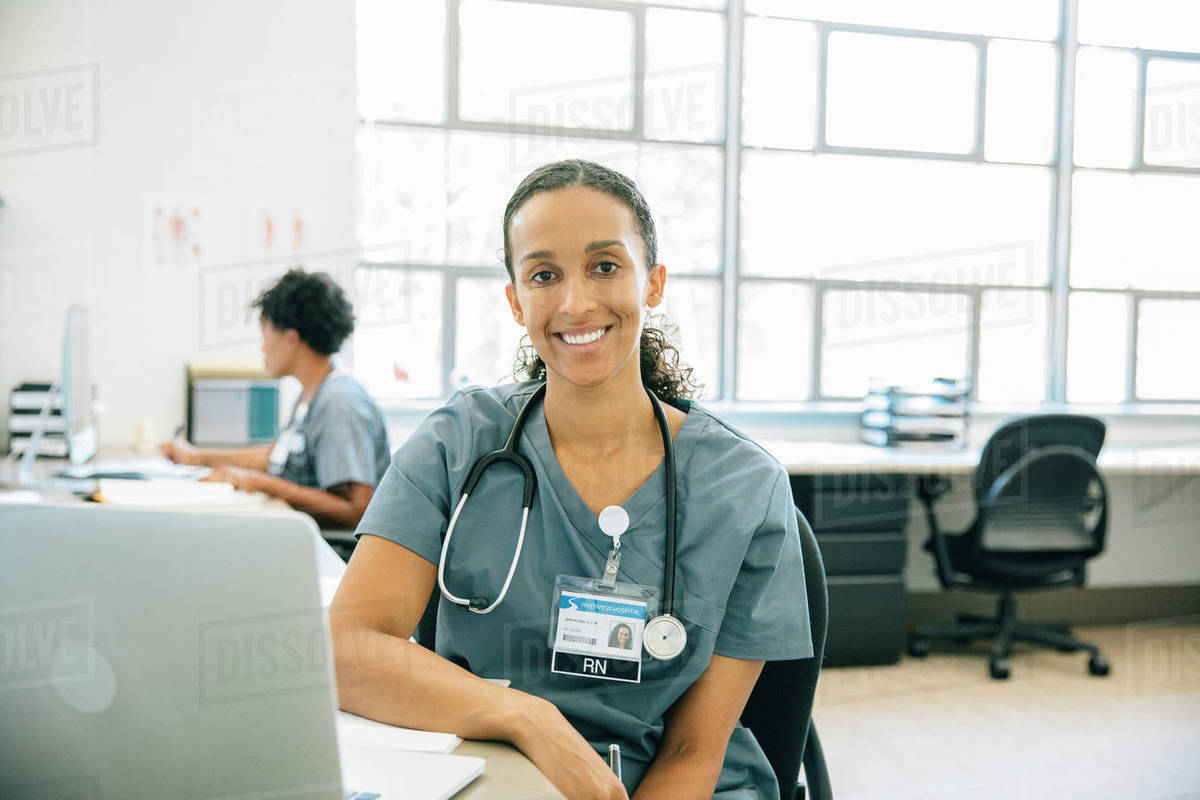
(934, 414)
(25, 404)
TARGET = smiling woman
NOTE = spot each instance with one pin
(698, 565)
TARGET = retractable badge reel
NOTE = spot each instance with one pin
(664, 637)
(289, 441)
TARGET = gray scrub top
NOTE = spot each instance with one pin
(344, 439)
(739, 586)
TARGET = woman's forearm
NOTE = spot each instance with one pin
(256, 458)
(681, 776)
(327, 508)
(393, 680)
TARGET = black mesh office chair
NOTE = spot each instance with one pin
(779, 711)
(1042, 511)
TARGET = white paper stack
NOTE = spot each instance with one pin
(177, 494)
(356, 731)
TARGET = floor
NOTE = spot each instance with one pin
(939, 727)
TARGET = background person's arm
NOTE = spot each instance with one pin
(340, 506)
(697, 730)
(384, 676)
(255, 457)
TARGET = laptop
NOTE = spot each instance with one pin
(152, 654)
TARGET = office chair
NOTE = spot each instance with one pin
(779, 711)
(1042, 511)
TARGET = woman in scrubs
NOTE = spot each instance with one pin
(581, 253)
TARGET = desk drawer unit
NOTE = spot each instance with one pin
(860, 520)
(866, 620)
(863, 553)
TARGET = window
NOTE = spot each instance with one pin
(897, 190)
(1135, 194)
(896, 221)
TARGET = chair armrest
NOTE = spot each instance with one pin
(816, 773)
(929, 489)
(932, 487)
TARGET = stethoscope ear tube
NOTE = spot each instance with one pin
(517, 460)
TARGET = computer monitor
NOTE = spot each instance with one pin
(76, 386)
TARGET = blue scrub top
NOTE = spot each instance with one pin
(739, 587)
(343, 437)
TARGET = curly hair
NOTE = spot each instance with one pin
(662, 371)
(311, 304)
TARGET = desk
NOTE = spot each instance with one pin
(817, 458)
(859, 500)
(509, 774)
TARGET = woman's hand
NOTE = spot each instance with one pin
(563, 755)
(245, 480)
(179, 452)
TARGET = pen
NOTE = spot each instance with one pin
(614, 759)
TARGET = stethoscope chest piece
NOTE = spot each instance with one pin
(664, 637)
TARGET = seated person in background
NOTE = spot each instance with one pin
(334, 450)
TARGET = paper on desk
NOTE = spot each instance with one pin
(176, 494)
(356, 731)
(20, 496)
(150, 468)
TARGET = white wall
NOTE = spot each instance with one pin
(236, 106)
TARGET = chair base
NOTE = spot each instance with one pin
(1004, 629)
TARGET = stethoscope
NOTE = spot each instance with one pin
(664, 636)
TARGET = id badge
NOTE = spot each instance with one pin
(596, 628)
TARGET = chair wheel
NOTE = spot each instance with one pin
(918, 648)
(1098, 665)
(999, 668)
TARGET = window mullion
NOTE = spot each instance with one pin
(818, 323)
(981, 62)
(973, 342)
(1131, 335)
(639, 73)
(452, 61)
(449, 325)
(819, 143)
(1061, 221)
(731, 240)
(1139, 119)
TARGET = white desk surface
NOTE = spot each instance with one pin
(816, 458)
